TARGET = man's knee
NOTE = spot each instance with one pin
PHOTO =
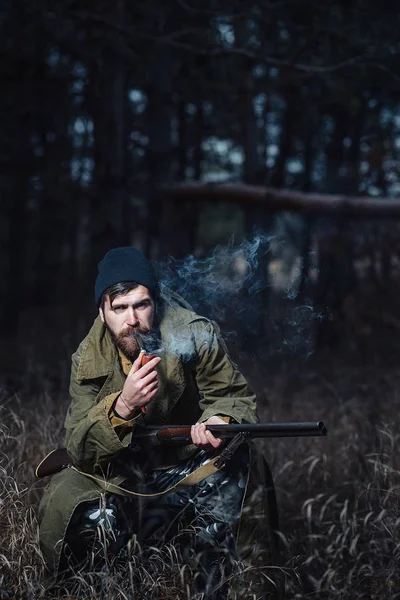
(97, 531)
(65, 492)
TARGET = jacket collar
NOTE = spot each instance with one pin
(99, 354)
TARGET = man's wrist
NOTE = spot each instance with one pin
(116, 414)
(123, 409)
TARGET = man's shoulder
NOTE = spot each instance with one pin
(95, 354)
(175, 315)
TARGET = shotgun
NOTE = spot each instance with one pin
(169, 435)
(180, 434)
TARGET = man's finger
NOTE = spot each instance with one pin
(150, 366)
(215, 442)
(200, 430)
(195, 435)
(140, 371)
(150, 388)
(203, 435)
(149, 378)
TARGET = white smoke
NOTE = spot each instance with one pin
(233, 286)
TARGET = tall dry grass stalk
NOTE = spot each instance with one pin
(338, 497)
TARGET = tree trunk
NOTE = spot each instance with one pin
(278, 175)
(198, 153)
(54, 208)
(305, 253)
(159, 114)
(111, 223)
(18, 192)
(16, 157)
(337, 277)
(183, 240)
(309, 221)
(253, 329)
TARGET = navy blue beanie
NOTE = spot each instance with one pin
(124, 264)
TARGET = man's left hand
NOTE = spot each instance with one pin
(204, 439)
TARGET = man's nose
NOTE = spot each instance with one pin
(132, 317)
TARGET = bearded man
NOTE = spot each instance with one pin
(191, 379)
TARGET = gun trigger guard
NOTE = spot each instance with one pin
(228, 452)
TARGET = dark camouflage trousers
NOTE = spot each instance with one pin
(209, 513)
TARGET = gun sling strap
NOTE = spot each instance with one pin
(202, 472)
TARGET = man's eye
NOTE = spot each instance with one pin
(119, 309)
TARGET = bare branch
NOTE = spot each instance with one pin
(218, 52)
(274, 200)
(273, 62)
(383, 68)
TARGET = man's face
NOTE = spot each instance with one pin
(127, 315)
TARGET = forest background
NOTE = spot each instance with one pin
(106, 110)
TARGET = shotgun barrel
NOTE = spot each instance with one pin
(180, 434)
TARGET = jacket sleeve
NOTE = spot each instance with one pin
(91, 440)
(223, 389)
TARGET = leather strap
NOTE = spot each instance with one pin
(196, 476)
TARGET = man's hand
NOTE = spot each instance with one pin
(140, 387)
(204, 439)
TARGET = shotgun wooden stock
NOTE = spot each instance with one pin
(55, 461)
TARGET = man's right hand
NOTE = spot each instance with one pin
(140, 387)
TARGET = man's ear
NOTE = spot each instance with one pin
(101, 314)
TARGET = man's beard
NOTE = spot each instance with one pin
(129, 341)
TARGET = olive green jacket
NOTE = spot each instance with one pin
(197, 380)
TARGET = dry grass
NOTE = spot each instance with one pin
(338, 496)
